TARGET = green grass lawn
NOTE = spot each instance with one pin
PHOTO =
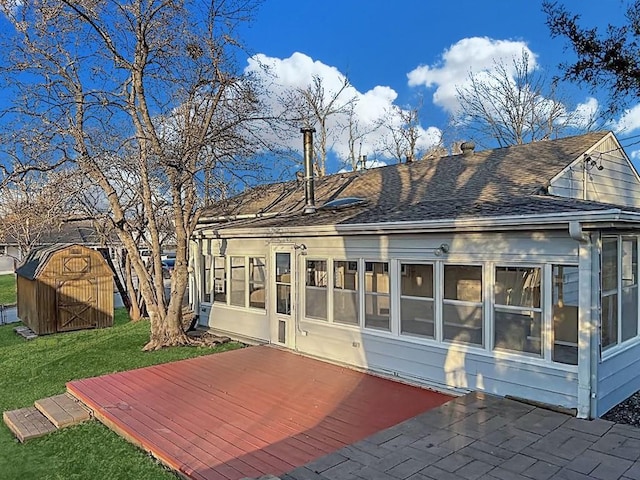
(7, 289)
(41, 367)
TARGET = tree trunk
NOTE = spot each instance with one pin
(135, 313)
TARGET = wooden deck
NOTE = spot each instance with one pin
(248, 412)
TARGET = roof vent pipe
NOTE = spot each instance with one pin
(467, 148)
(309, 182)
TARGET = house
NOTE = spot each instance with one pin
(512, 271)
(82, 232)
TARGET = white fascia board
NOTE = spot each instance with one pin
(513, 222)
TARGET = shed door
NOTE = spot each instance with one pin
(77, 303)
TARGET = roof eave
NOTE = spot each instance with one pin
(477, 224)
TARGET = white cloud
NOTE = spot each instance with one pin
(629, 121)
(475, 54)
(280, 75)
(584, 115)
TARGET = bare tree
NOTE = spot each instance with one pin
(36, 206)
(321, 108)
(140, 96)
(403, 126)
(510, 105)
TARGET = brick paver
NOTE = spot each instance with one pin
(481, 437)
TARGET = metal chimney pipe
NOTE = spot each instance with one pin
(309, 182)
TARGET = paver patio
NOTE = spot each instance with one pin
(482, 437)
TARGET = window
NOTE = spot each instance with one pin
(517, 312)
(565, 314)
(316, 290)
(219, 280)
(345, 292)
(609, 290)
(462, 304)
(257, 281)
(629, 271)
(3, 249)
(237, 285)
(619, 289)
(283, 283)
(206, 278)
(376, 296)
(416, 300)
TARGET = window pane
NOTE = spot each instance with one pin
(237, 281)
(317, 273)
(345, 292)
(257, 276)
(346, 275)
(416, 317)
(283, 283)
(609, 263)
(518, 286)
(220, 280)
(565, 314)
(283, 267)
(376, 311)
(316, 289)
(463, 323)
(629, 262)
(416, 280)
(517, 331)
(462, 282)
(629, 313)
(609, 320)
(206, 278)
(345, 306)
(376, 299)
(283, 300)
(376, 279)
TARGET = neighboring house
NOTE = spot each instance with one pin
(512, 271)
(77, 232)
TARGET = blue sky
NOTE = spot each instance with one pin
(393, 51)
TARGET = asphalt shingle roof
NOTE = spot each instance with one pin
(499, 182)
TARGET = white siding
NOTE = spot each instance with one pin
(444, 366)
(616, 183)
(428, 361)
(618, 378)
(245, 322)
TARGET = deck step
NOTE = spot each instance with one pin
(27, 423)
(46, 416)
(63, 410)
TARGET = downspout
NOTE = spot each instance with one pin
(586, 328)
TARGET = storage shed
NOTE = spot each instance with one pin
(63, 288)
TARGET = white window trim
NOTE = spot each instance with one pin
(546, 322)
(620, 347)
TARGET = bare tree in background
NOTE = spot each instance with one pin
(356, 135)
(321, 108)
(140, 96)
(511, 105)
(34, 207)
(403, 126)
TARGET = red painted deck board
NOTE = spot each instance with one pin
(248, 412)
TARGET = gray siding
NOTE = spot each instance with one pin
(616, 183)
(618, 378)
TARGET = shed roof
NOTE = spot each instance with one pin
(489, 183)
(38, 257)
